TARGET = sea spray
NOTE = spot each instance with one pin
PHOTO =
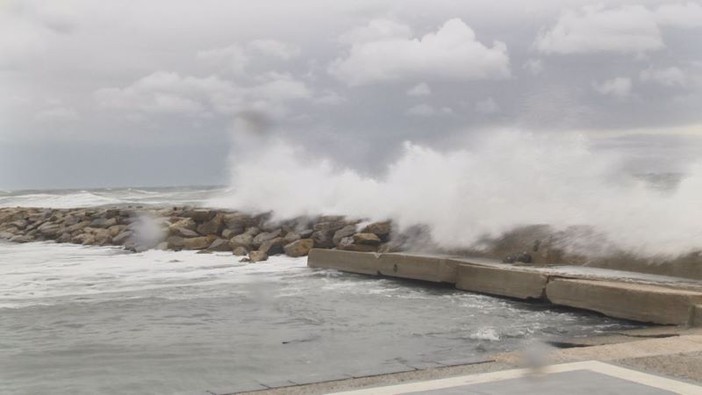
(495, 184)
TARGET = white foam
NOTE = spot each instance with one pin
(37, 273)
(507, 180)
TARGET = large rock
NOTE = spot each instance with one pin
(103, 222)
(175, 242)
(299, 248)
(348, 244)
(291, 236)
(77, 227)
(240, 251)
(244, 240)
(212, 227)
(329, 226)
(200, 215)
(237, 222)
(185, 224)
(122, 238)
(273, 246)
(380, 229)
(366, 239)
(346, 231)
(50, 230)
(219, 245)
(257, 256)
(265, 236)
(198, 243)
(323, 238)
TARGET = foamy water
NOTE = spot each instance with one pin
(85, 320)
(484, 188)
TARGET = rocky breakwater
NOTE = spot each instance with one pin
(254, 237)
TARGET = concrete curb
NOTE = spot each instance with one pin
(615, 297)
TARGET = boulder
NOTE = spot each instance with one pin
(200, 215)
(219, 245)
(103, 222)
(346, 231)
(240, 251)
(123, 237)
(329, 226)
(366, 239)
(175, 242)
(347, 244)
(265, 236)
(243, 240)
(64, 238)
(212, 227)
(22, 239)
(237, 222)
(84, 238)
(116, 229)
(380, 229)
(79, 226)
(186, 233)
(273, 246)
(291, 236)
(323, 238)
(299, 248)
(176, 228)
(50, 230)
(197, 243)
(229, 233)
(257, 256)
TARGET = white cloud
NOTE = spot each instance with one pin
(671, 76)
(232, 58)
(421, 89)
(280, 87)
(426, 110)
(619, 87)
(167, 92)
(376, 30)
(57, 114)
(687, 15)
(452, 53)
(170, 93)
(274, 48)
(627, 29)
(534, 66)
(487, 106)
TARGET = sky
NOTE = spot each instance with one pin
(150, 93)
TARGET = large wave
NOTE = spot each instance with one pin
(495, 184)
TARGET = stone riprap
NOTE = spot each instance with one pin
(252, 236)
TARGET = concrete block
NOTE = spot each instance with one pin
(425, 268)
(345, 261)
(695, 319)
(510, 281)
(638, 302)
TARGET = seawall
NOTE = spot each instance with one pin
(625, 295)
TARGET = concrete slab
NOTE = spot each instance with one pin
(417, 267)
(507, 281)
(573, 378)
(345, 261)
(638, 302)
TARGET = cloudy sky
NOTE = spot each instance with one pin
(139, 93)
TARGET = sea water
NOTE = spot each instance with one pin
(86, 320)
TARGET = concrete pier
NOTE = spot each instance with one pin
(626, 295)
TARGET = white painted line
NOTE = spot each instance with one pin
(594, 366)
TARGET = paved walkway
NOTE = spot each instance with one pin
(586, 378)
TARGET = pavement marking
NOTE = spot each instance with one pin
(593, 366)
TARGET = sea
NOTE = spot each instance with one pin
(101, 320)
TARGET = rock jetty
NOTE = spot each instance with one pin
(254, 237)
